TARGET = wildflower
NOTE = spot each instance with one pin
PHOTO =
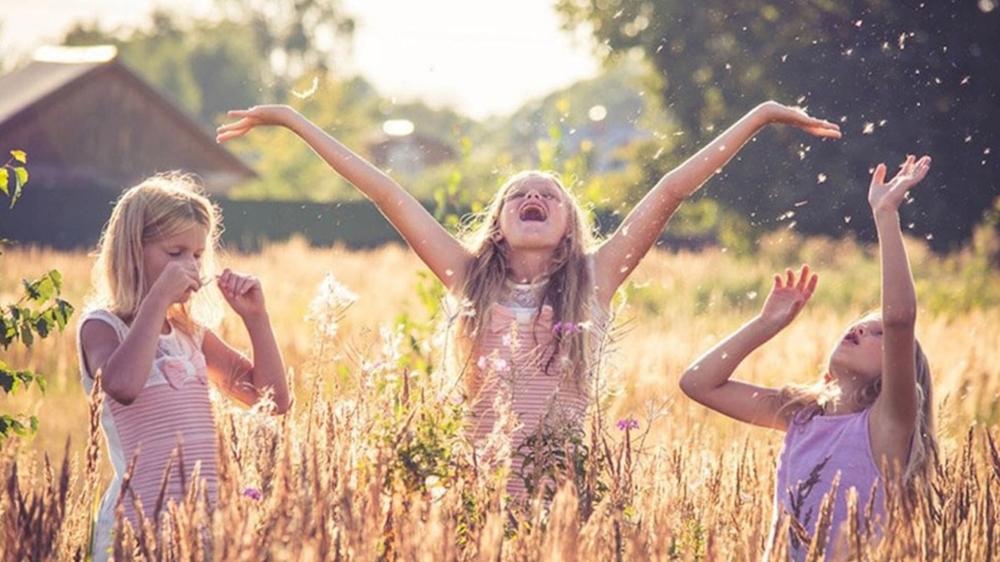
(493, 363)
(568, 327)
(252, 493)
(328, 306)
(628, 423)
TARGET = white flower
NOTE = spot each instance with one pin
(328, 306)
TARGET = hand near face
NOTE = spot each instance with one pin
(243, 293)
(175, 283)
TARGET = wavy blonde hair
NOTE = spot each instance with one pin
(570, 291)
(161, 206)
(924, 449)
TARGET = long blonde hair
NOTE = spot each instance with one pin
(159, 207)
(570, 290)
(924, 449)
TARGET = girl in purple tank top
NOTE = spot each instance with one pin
(144, 334)
(867, 424)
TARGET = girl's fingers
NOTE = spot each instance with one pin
(803, 277)
(811, 287)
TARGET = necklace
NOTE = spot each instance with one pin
(525, 295)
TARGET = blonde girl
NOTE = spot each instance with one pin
(868, 421)
(537, 285)
(144, 336)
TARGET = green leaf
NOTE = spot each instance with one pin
(21, 177)
(40, 290)
(20, 156)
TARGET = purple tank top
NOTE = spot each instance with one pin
(816, 449)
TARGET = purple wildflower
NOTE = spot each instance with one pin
(628, 423)
(253, 493)
(567, 328)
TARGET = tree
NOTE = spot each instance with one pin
(37, 312)
(254, 52)
(900, 77)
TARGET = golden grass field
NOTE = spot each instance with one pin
(344, 475)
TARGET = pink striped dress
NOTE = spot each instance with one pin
(509, 376)
(173, 413)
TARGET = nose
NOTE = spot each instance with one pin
(533, 193)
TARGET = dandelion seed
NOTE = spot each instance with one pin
(751, 295)
(308, 93)
(800, 203)
(965, 80)
(821, 178)
(868, 129)
(847, 218)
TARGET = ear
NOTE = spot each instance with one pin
(497, 236)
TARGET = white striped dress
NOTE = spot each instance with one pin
(510, 369)
(173, 409)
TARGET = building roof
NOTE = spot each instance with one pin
(83, 117)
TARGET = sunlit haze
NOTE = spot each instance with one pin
(479, 58)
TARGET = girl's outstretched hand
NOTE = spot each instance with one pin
(884, 196)
(247, 119)
(243, 293)
(775, 112)
(788, 296)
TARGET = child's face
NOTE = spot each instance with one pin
(184, 248)
(535, 214)
(859, 351)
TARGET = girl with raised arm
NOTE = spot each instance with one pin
(538, 286)
(869, 421)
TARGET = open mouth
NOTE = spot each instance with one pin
(534, 212)
(853, 338)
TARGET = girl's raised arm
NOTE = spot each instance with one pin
(442, 253)
(707, 380)
(621, 253)
(895, 412)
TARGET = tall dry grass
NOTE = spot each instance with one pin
(370, 463)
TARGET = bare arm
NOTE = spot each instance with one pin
(239, 377)
(895, 412)
(125, 365)
(707, 380)
(621, 253)
(442, 253)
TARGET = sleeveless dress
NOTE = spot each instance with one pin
(816, 449)
(171, 415)
(514, 372)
